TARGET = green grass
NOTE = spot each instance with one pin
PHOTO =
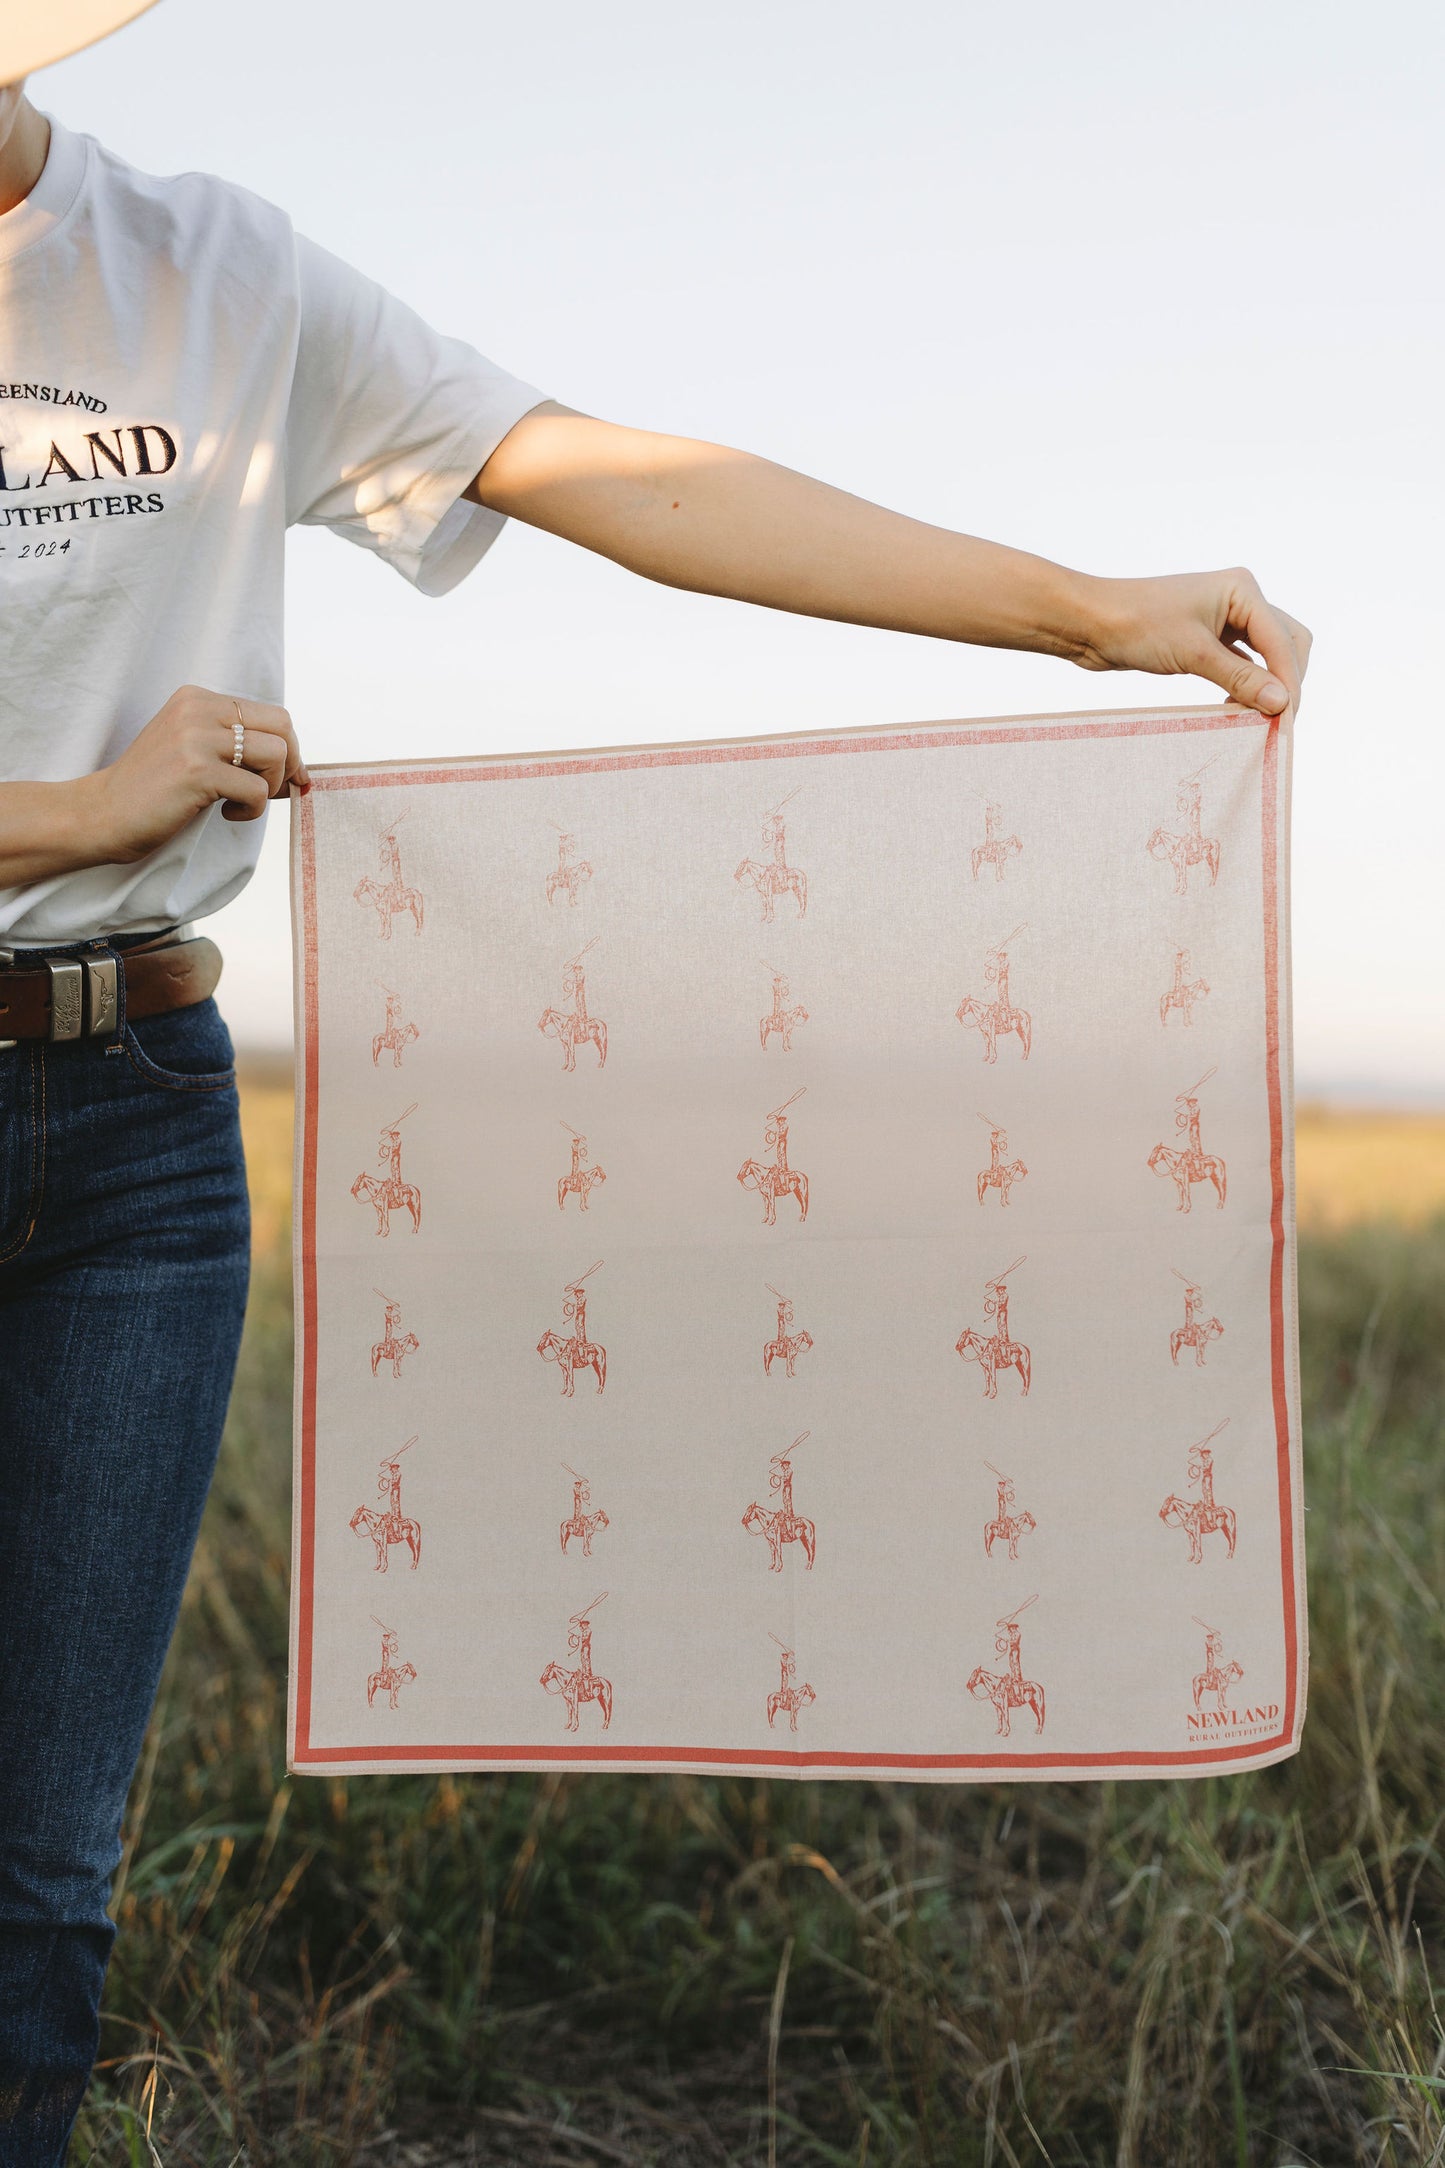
(433, 1970)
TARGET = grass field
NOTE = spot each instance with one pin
(421, 1972)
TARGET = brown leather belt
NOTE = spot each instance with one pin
(75, 997)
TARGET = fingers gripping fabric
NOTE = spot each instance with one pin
(795, 1257)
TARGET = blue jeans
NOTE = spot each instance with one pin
(124, 1255)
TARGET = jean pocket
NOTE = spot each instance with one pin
(186, 1050)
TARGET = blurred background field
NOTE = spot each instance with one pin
(419, 1972)
(1362, 1164)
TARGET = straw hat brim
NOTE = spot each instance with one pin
(33, 33)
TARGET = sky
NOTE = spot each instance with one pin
(1142, 287)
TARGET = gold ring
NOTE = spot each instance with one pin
(238, 735)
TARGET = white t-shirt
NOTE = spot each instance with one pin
(184, 376)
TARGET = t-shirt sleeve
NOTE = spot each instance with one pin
(388, 422)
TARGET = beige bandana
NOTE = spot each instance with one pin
(795, 1257)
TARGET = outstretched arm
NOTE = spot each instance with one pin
(722, 522)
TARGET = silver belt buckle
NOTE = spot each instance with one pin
(82, 996)
(67, 998)
(101, 976)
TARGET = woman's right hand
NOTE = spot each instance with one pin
(181, 763)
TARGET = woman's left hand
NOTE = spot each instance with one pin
(1202, 624)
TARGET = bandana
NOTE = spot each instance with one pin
(816, 1215)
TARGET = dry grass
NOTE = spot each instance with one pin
(1356, 1165)
(430, 1972)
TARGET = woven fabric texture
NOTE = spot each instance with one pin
(795, 1256)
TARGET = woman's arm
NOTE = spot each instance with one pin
(174, 769)
(721, 522)
(43, 830)
(698, 516)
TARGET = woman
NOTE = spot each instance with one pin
(189, 378)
